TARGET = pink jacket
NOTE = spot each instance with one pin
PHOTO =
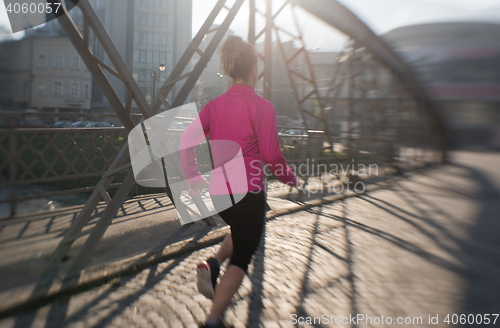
(241, 116)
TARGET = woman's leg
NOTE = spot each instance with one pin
(246, 219)
(225, 250)
(208, 270)
(228, 285)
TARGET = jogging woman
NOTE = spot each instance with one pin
(241, 116)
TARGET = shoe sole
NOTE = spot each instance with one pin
(205, 281)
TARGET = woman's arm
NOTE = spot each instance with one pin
(194, 135)
(270, 152)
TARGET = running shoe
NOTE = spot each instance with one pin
(219, 325)
(208, 272)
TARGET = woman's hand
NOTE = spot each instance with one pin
(198, 188)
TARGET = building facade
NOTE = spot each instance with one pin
(43, 71)
(147, 33)
(459, 65)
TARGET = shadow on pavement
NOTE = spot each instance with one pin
(474, 257)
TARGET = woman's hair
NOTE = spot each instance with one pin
(238, 58)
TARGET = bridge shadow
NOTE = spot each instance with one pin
(26, 246)
(475, 258)
(57, 224)
(482, 294)
(58, 314)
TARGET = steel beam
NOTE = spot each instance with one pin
(341, 18)
(268, 48)
(185, 59)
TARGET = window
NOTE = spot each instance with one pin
(23, 62)
(157, 19)
(143, 56)
(135, 74)
(170, 40)
(163, 39)
(142, 75)
(164, 3)
(157, 3)
(151, 20)
(170, 58)
(136, 36)
(150, 57)
(150, 38)
(42, 61)
(57, 88)
(137, 18)
(156, 57)
(157, 39)
(75, 62)
(144, 3)
(24, 89)
(136, 55)
(144, 19)
(41, 88)
(170, 4)
(144, 37)
(163, 57)
(58, 61)
(87, 90)
(170, 20)
(164, 20)
(75, 91)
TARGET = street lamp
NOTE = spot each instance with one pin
(162, 69)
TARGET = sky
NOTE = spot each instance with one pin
(380, 15)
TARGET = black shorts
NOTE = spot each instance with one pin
(246, 219)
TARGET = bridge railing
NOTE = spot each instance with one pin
(73, 160)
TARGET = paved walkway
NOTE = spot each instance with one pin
(428, 246)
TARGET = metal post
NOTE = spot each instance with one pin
(268, 47)
(251, 23)
(14, 156)
(154, 86)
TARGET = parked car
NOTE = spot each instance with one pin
(79, 124)
(33, 124)
(293, 137)
(180, 125)
(99, 125)
(61, 124)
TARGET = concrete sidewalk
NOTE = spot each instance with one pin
(426, 246)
